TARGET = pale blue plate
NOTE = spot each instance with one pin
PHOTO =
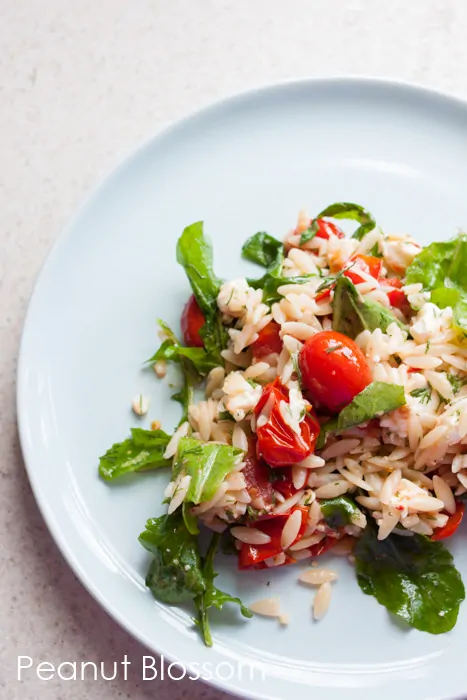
(246, 164)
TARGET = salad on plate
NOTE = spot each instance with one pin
(334, 419)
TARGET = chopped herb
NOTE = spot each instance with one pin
(252, 383)
(297, 370)
(427, 347)
(423, 394)
(310, 233)
(333, 348)
(456, 382)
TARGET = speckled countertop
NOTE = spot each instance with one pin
(81, 83)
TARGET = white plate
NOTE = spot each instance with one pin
(246, 164)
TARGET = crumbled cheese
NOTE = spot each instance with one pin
(240, 396)
(140, 405)
(295, 411)
(429, 321)
(399, 254)
(233, 296)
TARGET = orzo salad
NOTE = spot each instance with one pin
(334, 419)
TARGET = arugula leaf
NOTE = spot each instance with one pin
(352, 314)
(144, 450)
(354, 212)
(310, 233)
(440, 268)
(413, 577)
(208, 464)
(202, 361)
(175, 574)
(263, 249)
(271, 285)
(339, 511)
(375, 400)
(194, 253)
(212, 596)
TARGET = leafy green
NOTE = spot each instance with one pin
(212, 596)
(440, 268)
(263, 249)
(194, 253)
(178, 574)
(175, 574)
(352, 314)
(202, 361)
(375, 400)
(272, 284)
(413, 577)
(310, 233)
(353, 212)
(142, 451)
(339, 511)
(207, 464)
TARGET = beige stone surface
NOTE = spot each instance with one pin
(81, 83)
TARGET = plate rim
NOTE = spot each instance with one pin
(105, 179)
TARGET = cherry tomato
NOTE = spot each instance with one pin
(191, 322)
(368, 264)
(257, 476)
(283, 482)
(252, 555)
(268, 341)
(334, 369)
(396, 296)
(278, 444)
(324, 294)
(325, 228)
(452, 524)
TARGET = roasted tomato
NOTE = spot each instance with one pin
(268, 341)
(191, 322)
(334, 369)
(257, 477)
(325, 228)
(368, 264)
(452, 524)
(396, 296)
(278, 443)
(254, 554)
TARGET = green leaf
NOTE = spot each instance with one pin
(310, 233)
(202, 361)
(263, 249)
(175, 573)
(207, 464)
(272, 284)
(440, 268)
(353, 212)
(194, 253)
(339, 511)
(212, 596)
(375, 400)
(142, 451)
(413, 577)
(352, 314)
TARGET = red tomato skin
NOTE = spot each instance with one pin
(191, 323)
(277, 443)
(369, 264)
(325, 228)
(396, 296)
(452, 524)
(333, 377)
(257, 473)
(268, 341)
(252, 555)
